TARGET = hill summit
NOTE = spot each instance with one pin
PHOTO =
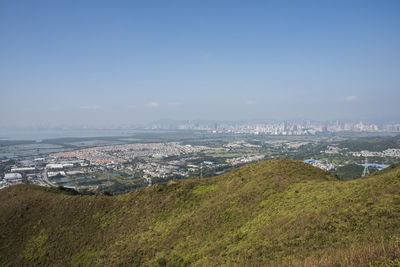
(274, 212)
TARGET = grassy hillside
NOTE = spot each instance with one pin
(278, 212)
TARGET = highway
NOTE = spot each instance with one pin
(46, 179)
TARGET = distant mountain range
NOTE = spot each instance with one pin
(275, 212)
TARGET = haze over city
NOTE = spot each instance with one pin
(99, 63)
(200, 133)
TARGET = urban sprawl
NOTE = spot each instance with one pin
(118, 165)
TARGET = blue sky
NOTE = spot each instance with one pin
(105, 63)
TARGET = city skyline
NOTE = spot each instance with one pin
(102, 64)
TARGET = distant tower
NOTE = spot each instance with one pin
(201, 170)
(366, 169)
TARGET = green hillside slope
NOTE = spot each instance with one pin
(278, 212)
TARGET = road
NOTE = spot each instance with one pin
(46, 179)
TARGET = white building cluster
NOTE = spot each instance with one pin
(391, 152)
(242, 160)
(11, 179)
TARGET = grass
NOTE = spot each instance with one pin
(277, 212)
(204, 189)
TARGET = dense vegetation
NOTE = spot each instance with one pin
(267, 213)
(371, 143)
(348, 172)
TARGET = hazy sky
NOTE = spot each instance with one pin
(122, 62)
